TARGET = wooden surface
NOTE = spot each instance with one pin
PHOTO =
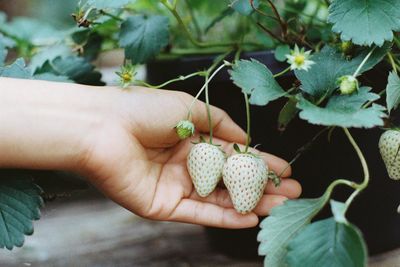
(97, 232)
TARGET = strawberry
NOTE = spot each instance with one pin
(204, 163)
(245, 176)
(389, 146)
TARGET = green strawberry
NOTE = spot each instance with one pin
(245, 176)
(389, 146)
(205, 163)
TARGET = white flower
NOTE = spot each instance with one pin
(299, 59)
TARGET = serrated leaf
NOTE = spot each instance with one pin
(344, 111)
(255, 79)
(339, 211)
(330, 65)
(75, 68)
(365, 22)
(107, 4)
(287, 114)
(17, 69)
(329, 244)
(244, 7)
(19, 205)
(48, 54)
(283, 223)
(143, 37)
(281, 51)
(393, 91)
(33, 31)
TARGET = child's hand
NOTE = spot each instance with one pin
(125, 143)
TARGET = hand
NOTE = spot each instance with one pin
(142, 166)
(124, 142)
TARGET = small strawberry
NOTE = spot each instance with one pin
(245, 176)
(389, 146)
(204, 163)
(184, 129)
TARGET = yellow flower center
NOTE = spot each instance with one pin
(299, 59)
(127, 77)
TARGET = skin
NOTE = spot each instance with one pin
(123, 141)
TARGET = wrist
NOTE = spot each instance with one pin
(47, 125)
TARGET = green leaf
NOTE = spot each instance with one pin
(339, 211)
(33, 31)
(329, 244)
(393, 91)
(48, 53)
(344, 111)
(144, 37)
(255, 79)
(365, 22)
(244, 7)
(283, 223)
(287, 114)
(107, 4)
(281, 51)
(321, 79)
(19, 204)
(16, 70)
(75, 68)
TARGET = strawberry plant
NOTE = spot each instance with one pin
(326, 49)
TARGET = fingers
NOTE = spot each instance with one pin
(267, 203)
(196, 212)
(223, 126)
(289, 188)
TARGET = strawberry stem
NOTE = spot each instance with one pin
(363, 62)
(364, 184)
(246, 98)
(210, 126)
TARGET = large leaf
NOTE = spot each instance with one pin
(244, 7)
(321, 79)
(33, 31)
(107, 4)
(143, 37)
(344, 111)
(19, 204)
(283, 224)
(393, 91)
(255, 79)
(16, 70)
(75, 68)
(365, 22)
(328, 243)
(48, 53)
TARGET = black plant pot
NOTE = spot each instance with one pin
(374, 211)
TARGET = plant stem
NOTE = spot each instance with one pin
(278, 17)
(194, 20)
(103, 12)
(364, 184)
(180, 78)
(391, 60)
(282, 72)
(363, 62)
(210, 125)
(202, 89)
(248, 140)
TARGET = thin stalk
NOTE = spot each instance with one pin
(248, 140)
(364, 184)
(194, 20)
(180, 78)
(202, 89)
(282, 72)
(208, 109)
(391, 60)
(363, 63)
(278, 17)
(103, 12)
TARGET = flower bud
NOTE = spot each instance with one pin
(348, 84)
(184, 129)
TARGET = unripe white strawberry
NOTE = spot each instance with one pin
(389, 146)
(205, 163)
(245, 176)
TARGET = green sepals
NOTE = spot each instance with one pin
(237, 148)
(348, 84)
(347, 48)
(274, 178)
(184, 129)
(126, 75)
